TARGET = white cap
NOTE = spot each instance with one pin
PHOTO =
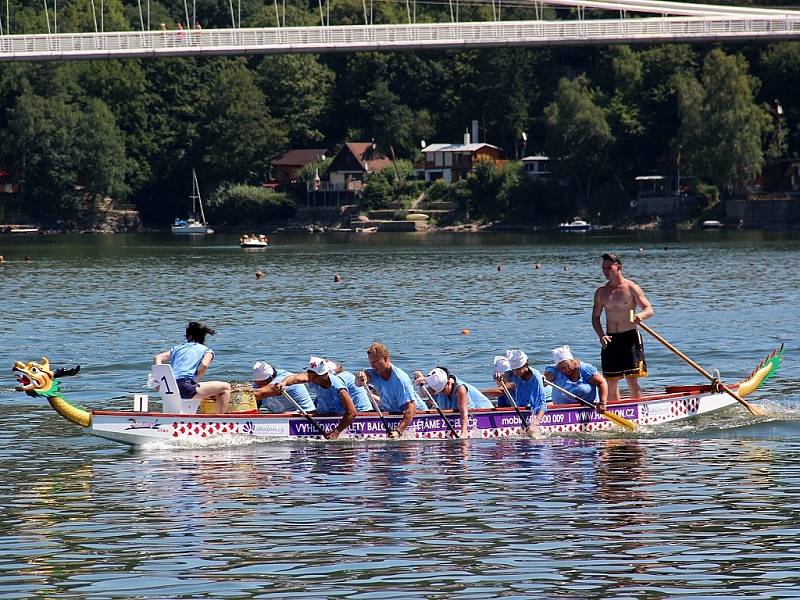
(516, 358)
(436, 380)
(320, 366)
(501, 364)
(262, 371)
(561, 353)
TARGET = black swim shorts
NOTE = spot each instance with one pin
(187, 387)
(624, 355)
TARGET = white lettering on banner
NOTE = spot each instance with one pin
(510, 421)
(552, 418)
(271, 429)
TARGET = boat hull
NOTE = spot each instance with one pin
(190, 229)
(139, 428)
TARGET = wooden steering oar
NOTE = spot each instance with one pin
(614, 418)
(441, 414)
(755, 410)
(311, 420)
(516, 408)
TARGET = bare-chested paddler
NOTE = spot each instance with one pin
(623, 352)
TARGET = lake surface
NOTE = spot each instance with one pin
(709, 508)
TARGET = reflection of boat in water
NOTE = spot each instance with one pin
(192, 225)
(575, 225)
(253, 241)
(180, 420)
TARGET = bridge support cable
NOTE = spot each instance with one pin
(47, 17)
(94, 17)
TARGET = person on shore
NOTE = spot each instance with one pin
(336, 392)
(525, 385)
(392, 384)
(270, 397)
(451, 393)
(190, 361)
(576, 377)
(622, 353)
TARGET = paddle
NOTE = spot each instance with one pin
(614, 418)
(516, 408)
(316, 425)
(441, 414)
(755, 410)
(378, 410)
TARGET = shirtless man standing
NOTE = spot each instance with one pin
(623, 351)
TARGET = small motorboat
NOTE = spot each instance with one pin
(576, 225)
(253, 241)
(711, 224)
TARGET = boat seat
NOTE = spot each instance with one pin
(171, 401)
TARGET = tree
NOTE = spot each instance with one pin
(396, 128)
(65, 153)
(297, 90)
(577, 133)
(238, 135)
(721, 125)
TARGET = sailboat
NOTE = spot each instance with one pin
(192, 225)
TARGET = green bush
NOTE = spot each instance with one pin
(235, 204)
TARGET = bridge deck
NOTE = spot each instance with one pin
(295, 40)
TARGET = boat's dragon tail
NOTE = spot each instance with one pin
(767, 367)
(38, 379)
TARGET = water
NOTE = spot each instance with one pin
(700, 509)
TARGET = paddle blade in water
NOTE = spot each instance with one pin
(767, 367)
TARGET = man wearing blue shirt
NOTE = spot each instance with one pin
(393, 386)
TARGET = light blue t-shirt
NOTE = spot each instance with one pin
(582, 388)
(279, 404)
(475, 399)
(528, 394)
(395, 392)
(185, 358)
(329, 400)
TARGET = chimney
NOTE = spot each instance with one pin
(466, 137)
(475, 137)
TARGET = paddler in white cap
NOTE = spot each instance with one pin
(270, 398)
(524, 383)
(451, 393)
(336, 391)
(579, 378)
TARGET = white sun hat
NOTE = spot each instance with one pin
(561, 353)
(262, 371)
(320, 366)
(436, 380)
(516, 358)
(501, 364)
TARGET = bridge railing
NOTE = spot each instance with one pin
(363, 37)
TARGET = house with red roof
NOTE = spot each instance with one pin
(286, 168)
(353, 165)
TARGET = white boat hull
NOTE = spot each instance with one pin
(140, 428)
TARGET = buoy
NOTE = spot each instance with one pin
(259, 275)
(465, 332)
(537, 266)
(336, 278)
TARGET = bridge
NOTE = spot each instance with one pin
(635, 22)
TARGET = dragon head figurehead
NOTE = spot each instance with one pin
(35, 378)
(38, 378)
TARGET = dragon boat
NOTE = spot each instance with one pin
(189, 421)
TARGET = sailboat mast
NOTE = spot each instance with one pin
(196, 194)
